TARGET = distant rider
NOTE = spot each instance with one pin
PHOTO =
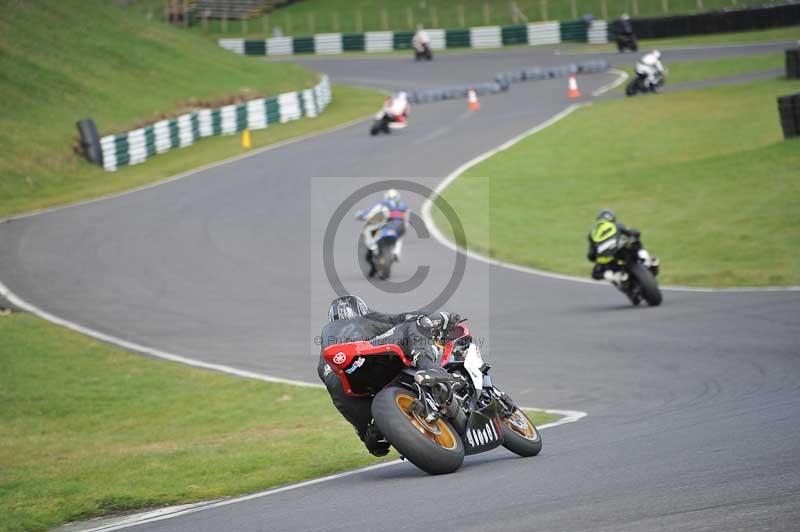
(350, 320)
(626, 38)
(421, 42)
(392, 212)
(650, 69)
(606, 227)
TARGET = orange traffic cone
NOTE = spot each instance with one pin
(573, 91)
(473, 100)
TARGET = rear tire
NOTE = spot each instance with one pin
(376, 128)
(520, 435)
(437, 454)
(650, 291)
(384, 262)
(630, 88)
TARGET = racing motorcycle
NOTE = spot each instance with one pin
(422, 51)
(627, 41)
(637, 268)
(384, 252)
(641, 84)
(435, 420)
(385, 122)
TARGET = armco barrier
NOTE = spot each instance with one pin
(504, 80)
(137, 146)
(793, 63)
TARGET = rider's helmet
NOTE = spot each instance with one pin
(607, 214)
(391, 195)
(347, 307)
(625, 16)
(656, 54)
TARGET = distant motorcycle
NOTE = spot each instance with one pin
(641, 268)
(384, 250)
(627, 41)
(385, 122)
(433, 421)
(422, 51)
(641, 84)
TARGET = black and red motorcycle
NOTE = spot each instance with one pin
(435, 420)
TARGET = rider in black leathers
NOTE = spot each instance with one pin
(350, 320)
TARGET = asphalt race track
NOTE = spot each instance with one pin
(694, 407)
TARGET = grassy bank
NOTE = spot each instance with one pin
(321, 16)
(63, 60)
(91, 430)
(705, 174)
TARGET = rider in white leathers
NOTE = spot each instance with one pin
(650, 67)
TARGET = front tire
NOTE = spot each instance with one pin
(435, 448)
(520, 435)
(650, 291)
(384, 261)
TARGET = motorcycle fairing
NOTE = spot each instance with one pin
(360, 378)
(484, 431)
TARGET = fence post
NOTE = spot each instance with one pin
(635, 7)
(205, 21)
(511, 12)
(487, 15)
(665, 6)
(311, 22)
(244, 27)
(289, 24)
(359, 22)
(544, 9)
(410, 18)
(574, 10)
(336, 28)
(225, 21)
(604, 9)
(434, 18)
(384, 19)
(185, 13)
(461, 22)
(265, 25)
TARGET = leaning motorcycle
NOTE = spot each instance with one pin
(640, 84)
(434, 421)
(385, 122)
(639, 268)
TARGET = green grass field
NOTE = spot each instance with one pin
(705, 174)
(321, 16)
(66, 60)
(91, 430)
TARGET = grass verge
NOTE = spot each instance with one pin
(705, 174)
(91, 430)
(63, 60)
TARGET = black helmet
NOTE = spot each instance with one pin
(347, 307)
(607, 214)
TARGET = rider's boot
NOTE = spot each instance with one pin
(372, 269)
(398, 246)
(374, 441)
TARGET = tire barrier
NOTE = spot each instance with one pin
(749, 18)
(503, 81)
(789, 111)
(532, 34)
(138, 145)
(90, 141)
(793, 63)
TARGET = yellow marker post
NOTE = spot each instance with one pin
(246, 143)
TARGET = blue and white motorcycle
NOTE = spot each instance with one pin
(380, 243)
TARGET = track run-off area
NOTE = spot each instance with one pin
(693, 407)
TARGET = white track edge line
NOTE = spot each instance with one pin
(132, 346)
(621, 77)
(434, 230)
(568, 416)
